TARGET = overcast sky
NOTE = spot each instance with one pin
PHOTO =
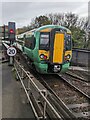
(23, 12)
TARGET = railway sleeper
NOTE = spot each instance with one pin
(83, 114)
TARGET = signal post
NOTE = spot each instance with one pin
(11, 51)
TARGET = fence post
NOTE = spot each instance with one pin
(44, 109)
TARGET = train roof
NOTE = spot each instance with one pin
(53, 26)
(25, 33)
(48, 27)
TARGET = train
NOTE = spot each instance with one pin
(49, 48)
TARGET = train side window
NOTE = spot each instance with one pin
(33, 42)
(30, 42)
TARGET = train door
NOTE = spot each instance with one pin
(58, 48)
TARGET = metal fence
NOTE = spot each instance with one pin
(81, 57)
(34, 94)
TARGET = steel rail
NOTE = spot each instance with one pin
(81, 50)
(65, 108)
(7, 46)
(70, 84)
(76, 76)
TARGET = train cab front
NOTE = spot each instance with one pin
(52, 51)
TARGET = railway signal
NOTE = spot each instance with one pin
(11, 37)
(11, 32)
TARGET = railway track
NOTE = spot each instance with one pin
(64, 98)
(76, 76)
(82, 75)
(78, 83)
(75, 101)
(57, 104)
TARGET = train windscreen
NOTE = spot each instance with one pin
(68, 42)
(44, 41)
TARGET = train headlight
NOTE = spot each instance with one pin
(42, 56)
(67, 57)
(57, 68)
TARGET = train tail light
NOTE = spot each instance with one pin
(45, 57)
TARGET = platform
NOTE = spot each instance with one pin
(14, 103)
(79, 68)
